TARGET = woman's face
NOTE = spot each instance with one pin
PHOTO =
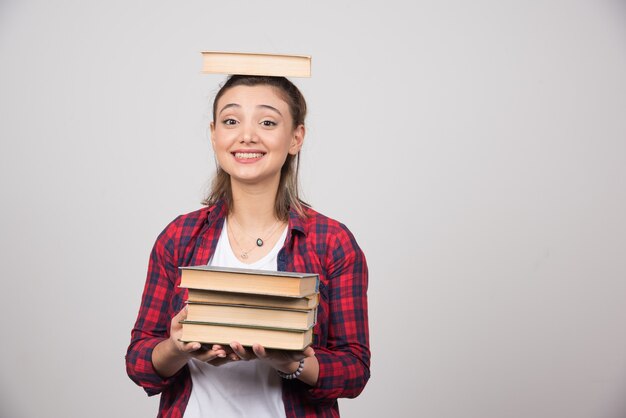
(253, 133)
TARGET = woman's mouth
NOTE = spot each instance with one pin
(248, 155)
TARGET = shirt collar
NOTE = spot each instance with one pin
(217, 211)
(296, 223)
(220, 210)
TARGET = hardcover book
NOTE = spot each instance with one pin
(256, 64)
(261, 282)
(204, 332)
(251, 316)
(246, 299)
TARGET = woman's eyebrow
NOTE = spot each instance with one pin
(228, 106)
(264, 106)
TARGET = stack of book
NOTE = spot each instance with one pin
(275, 309)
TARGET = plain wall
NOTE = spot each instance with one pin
(477, 150)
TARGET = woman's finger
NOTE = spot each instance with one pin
(259, 351)
(239, 350)
(208, 355)
(175, 325)
(191, 347)
(182, 314)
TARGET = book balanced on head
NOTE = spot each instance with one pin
(275, 309)
(256, 64)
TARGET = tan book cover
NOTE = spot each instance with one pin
(245, 299)
(251, 316)
(225, 334)
(256, 64)
(274, 283)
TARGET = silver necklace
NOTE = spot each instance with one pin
(259, 241)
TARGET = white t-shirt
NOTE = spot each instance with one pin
(241, 388)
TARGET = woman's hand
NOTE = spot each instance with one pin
(170, 355)
(202, 352)
(282, 360)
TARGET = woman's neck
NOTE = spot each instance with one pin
(254, 206)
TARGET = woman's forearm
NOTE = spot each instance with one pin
(167, 359)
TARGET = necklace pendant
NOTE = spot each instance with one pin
(259, 242)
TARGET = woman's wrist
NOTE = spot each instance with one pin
(171, 350)
(167, 359)
(288, 368)
(291, 372)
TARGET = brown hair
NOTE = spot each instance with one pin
(287, 196)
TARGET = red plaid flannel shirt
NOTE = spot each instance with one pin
(315, 244)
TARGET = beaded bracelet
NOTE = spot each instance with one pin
(293, 375)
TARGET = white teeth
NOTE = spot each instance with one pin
(248, 155)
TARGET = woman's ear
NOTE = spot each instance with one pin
(297, 140)
(212, 126)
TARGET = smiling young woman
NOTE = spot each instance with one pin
(254, 218)
(287, 196)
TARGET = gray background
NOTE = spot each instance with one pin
(476, 150)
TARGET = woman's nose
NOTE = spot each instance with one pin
(248, 136)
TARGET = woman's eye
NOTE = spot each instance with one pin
(268, 123)
(229, 121)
